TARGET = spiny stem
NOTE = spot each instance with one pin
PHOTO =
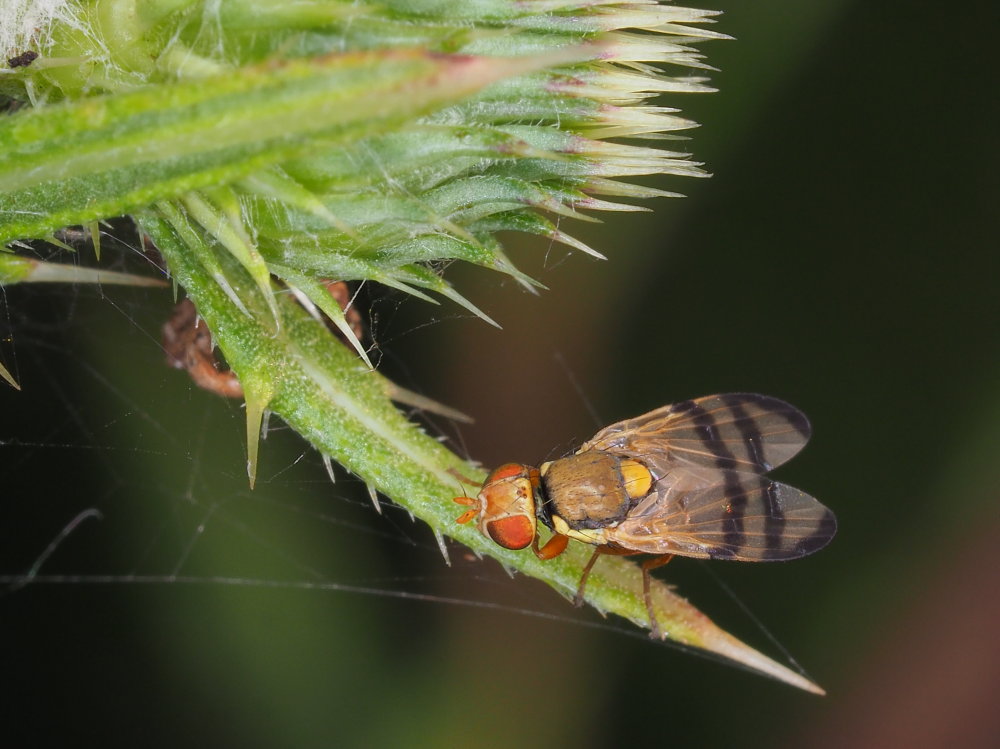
(319, 387)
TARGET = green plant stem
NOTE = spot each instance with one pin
(319, 387)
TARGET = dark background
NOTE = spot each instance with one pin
(843, 257)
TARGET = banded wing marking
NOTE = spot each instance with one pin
(745, 516)
(733, 431)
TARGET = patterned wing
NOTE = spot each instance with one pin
(713, 514)
(730, 432)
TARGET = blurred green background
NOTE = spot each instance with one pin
(843, 257)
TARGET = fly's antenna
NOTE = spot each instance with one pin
(465, 500)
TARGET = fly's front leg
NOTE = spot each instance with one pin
(552, 548)
(463, 478)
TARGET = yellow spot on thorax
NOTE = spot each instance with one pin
(638, 479)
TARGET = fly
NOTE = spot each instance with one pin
(687, 479)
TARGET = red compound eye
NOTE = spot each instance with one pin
(506, 471)
(514, 532)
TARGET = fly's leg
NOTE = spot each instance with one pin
(464, 479)
(552, 548)
(578, 598)
(608, 549)
(652, 564)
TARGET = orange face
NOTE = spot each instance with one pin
(506, 506)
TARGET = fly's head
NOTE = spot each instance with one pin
(505, 506)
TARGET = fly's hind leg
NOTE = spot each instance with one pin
(652, 564)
